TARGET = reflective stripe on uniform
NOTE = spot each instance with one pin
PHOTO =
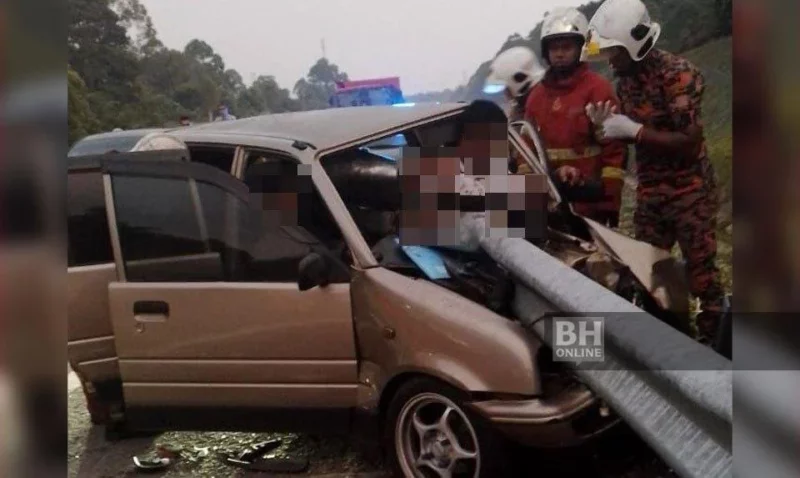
(524, 168)
(568, 154)
(612, 173)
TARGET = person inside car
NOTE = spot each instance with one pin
(445, 192)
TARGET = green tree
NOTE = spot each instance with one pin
(153, 109)
(204, 54)
(233, 88)
(325, 73)
(316, 88)
(134, 18)
(121, 75)
(82, 120)
(275, 98)
(310, 95)
(98, 48)
(209, 77)
(166, 70)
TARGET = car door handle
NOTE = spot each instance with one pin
(150, 311)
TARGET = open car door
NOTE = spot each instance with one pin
(209, 335)
(91, 267)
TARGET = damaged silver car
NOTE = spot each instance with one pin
(260, 285)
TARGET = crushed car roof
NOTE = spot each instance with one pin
(323, 129)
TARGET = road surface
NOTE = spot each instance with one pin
(91, 456)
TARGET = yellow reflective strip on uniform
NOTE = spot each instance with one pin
(561, 154)
(612, 173)
(570, 154)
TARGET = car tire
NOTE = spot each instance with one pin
(429, 400)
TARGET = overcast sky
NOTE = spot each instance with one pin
(429, 44)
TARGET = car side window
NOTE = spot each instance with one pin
(185, 230)
(220, 157)
(288, 220)
(161, 231)
(88, 237)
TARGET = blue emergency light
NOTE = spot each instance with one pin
(493, 89)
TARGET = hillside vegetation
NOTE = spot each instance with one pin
(121, 75)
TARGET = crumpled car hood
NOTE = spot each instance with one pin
(660, 273)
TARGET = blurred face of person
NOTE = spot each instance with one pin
(480, 143)
(620, 61)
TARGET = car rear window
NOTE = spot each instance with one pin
(90, 146)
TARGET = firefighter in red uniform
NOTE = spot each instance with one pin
(589, 170)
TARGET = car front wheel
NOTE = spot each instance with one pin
(429, 433)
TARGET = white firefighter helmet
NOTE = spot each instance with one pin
(517, 69)
(624, 23)
(564, 22)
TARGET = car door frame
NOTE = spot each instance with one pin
(90, 344)
(536, 161)
(333, 413)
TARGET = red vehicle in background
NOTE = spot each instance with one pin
(376, 91)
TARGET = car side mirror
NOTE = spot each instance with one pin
(314, 270)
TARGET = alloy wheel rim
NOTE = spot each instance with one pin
(434, 438)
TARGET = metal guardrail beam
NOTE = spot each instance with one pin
(675, 393)
(687, 436)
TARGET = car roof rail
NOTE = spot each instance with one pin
(302, 145)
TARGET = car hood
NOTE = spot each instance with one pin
(660, 273)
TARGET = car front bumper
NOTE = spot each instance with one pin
(571, 418)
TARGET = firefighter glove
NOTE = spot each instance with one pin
(619, 126)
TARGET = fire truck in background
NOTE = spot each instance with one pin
(376, 91)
